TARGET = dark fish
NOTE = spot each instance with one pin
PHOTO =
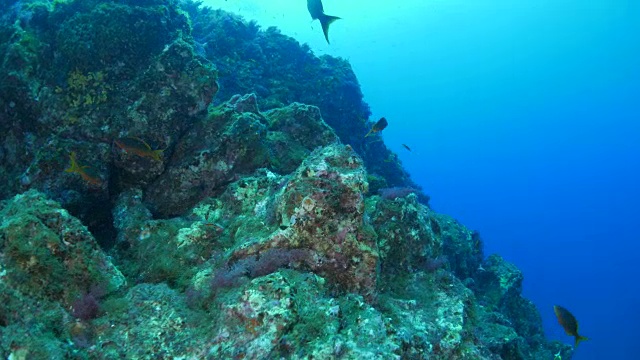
(377, 127)
(317, 12)
(406, 147)
(569, 323)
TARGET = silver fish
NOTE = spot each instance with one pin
(317, 12)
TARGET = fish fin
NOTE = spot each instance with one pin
(145, 144)
(579, 339)
(325, 21)
(142, 141)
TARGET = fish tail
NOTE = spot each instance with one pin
(157, 154)
(73, 167)
(325, 21)
(369, 133)
(579, 339)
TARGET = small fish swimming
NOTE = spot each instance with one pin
(406, 147)
(84, 171)
(139, 147)
(378, 126)
(569, 323)
(218, 227)
(317, 12)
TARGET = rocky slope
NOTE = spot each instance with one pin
(173, 189)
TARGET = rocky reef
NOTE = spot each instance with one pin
(179, 183)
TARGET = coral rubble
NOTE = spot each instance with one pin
(254, 231)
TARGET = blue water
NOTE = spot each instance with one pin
(525, 125)
(524, 121)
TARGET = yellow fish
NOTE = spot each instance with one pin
(84, 171)
(139, 147)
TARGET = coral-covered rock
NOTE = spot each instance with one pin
(259, 316)
(504, 336)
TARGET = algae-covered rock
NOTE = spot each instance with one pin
(80, 75)
(48, 253)
(409, 237)
(321, 210)
(282, 71)
(150, 321)
(462, 246)
(207, 157)
(498, 336)
(250, 230)
(30, 328)
(498, 281)
(498, 287)
(161, 250)
(433, 316)
(289, 315)
(49, 262)
(113, 34)
(235, 139)
(503, 336)
(294, 131)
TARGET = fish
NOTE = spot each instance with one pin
(139, 147)
(218, 227)
(396, 192)
(317, 13)
(378, 126)
(569, 323)
(84, 171)
(406, 147)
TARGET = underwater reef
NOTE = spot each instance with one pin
(179, 183)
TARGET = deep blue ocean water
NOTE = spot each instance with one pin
(524, 121)
(526, 127)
